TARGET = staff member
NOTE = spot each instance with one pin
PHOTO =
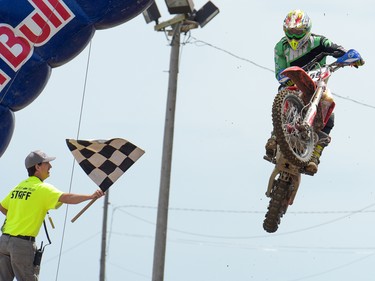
(25, 208)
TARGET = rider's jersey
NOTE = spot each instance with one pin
(285, 56)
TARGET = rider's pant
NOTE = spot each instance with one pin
(330, 123)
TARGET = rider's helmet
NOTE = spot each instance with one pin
(297, 28)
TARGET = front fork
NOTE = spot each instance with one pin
(293, 180)
(314, 103)
(287, 173)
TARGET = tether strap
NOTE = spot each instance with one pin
(45, 228)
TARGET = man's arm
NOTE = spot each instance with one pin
(279, 58)
(3, 210)
(71, 198)
(333, 49)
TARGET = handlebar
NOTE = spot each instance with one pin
(316, 60)
(350, 58)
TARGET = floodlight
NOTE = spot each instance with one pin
(206, 13)
(174, 20)
(180, 6)
(152, 13)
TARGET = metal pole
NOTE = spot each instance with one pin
(104, 238)
(162, 214)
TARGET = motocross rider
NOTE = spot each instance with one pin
(297, 48)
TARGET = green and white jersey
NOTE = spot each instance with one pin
(285, 56)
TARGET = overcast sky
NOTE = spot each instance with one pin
(223, 119)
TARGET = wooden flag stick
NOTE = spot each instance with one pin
(84, 210)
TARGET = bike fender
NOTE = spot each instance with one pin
(271, 181)
(301, 78)
(296, 180)
(296, 183)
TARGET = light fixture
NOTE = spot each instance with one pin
(152, 13)
(180, 6)
(206, 13)
(176, 19)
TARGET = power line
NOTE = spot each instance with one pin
(349, 99)
(73, 164)
(199, 43)
(203, 43)
(333, 269)
(360, 250)
(361, 210)
(370, 250)
(146, 277)
(347, 214)
(74, 247)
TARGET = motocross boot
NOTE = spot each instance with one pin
(270, 148)
(312, 167)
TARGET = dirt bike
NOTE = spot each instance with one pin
(299, 112)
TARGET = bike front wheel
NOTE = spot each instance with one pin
(296, 142)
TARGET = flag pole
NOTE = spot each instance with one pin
(104, 238)
(84, 209)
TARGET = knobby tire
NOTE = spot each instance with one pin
(287, 109)
(277, 206)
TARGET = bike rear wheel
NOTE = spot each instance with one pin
(296, 142)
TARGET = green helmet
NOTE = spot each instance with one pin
(297, 28)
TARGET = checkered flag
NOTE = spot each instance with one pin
(104, 161)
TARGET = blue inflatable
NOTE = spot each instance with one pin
(38, 35)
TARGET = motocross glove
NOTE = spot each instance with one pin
(359, 63)
(284, 80)
(289, 82)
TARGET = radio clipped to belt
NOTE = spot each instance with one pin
(39, 252)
